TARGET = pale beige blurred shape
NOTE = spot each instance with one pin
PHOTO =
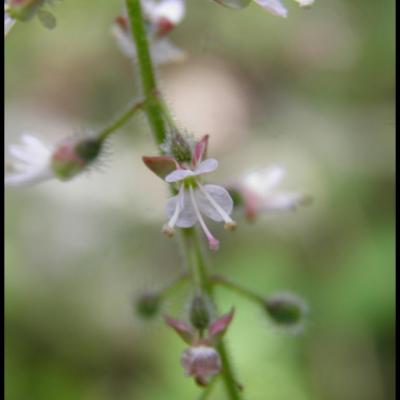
(207, 97)
(325, 43)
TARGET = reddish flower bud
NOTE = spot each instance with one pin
(72, 156)
(201, 362)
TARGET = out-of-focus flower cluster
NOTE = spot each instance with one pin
(161, 18)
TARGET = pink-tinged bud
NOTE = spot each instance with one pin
(164, 26)
(218, 328)
(181, 328)
(73, 155)
(201, 362)
(160, 165)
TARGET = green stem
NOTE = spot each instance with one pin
(121, 120)
(222, 281)
(154, 109)
(204, 283)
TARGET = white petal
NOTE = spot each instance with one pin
(124, 42)
(263, 181)
(178, 175)
(28, 177)
(282, 201)
(187, 217)
(164, 52)
(220, 195)
(172, 10)
(273, 6)
(8, 23)
(305, 3)
(206, 166)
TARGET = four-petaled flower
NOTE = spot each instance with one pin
(256, 189)
(275, 7)
(161, 18)
(194, 198)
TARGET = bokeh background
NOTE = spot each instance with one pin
(315, 93)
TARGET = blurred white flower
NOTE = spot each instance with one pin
(31, 162)
(161, 17)
(8, 20)
(257, 190)
(34, 161)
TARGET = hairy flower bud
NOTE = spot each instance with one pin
(148, 305)
(178, 146)
(201, 362)
(199, 312)
(287, 310)
(73, 156)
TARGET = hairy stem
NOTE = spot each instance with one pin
(249, 294)
(154, 108)
(205, 283)
(121, 120)
(157, 113)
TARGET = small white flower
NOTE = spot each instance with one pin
(161, 17)
(195, 199)
(31, 162)
(258, 191)
(8, 20)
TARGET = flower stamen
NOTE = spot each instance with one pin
(168, 228)
(212, 241)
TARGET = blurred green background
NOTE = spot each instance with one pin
(315, 93)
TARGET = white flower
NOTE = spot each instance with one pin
(8, 20)
(161, 17)
(195, 199)
(258, 191)
(31, 162)
(167, 11)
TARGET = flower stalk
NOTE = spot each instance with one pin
(155, 110)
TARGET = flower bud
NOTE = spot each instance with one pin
(178, 146)
(201, 362)
(148, 305)
(287, 310)
(73, 156)
(199, 312)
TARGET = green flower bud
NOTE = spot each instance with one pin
(148, 305)
(199, 312)
(73, 156)
(178, 146)
(287, 311)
